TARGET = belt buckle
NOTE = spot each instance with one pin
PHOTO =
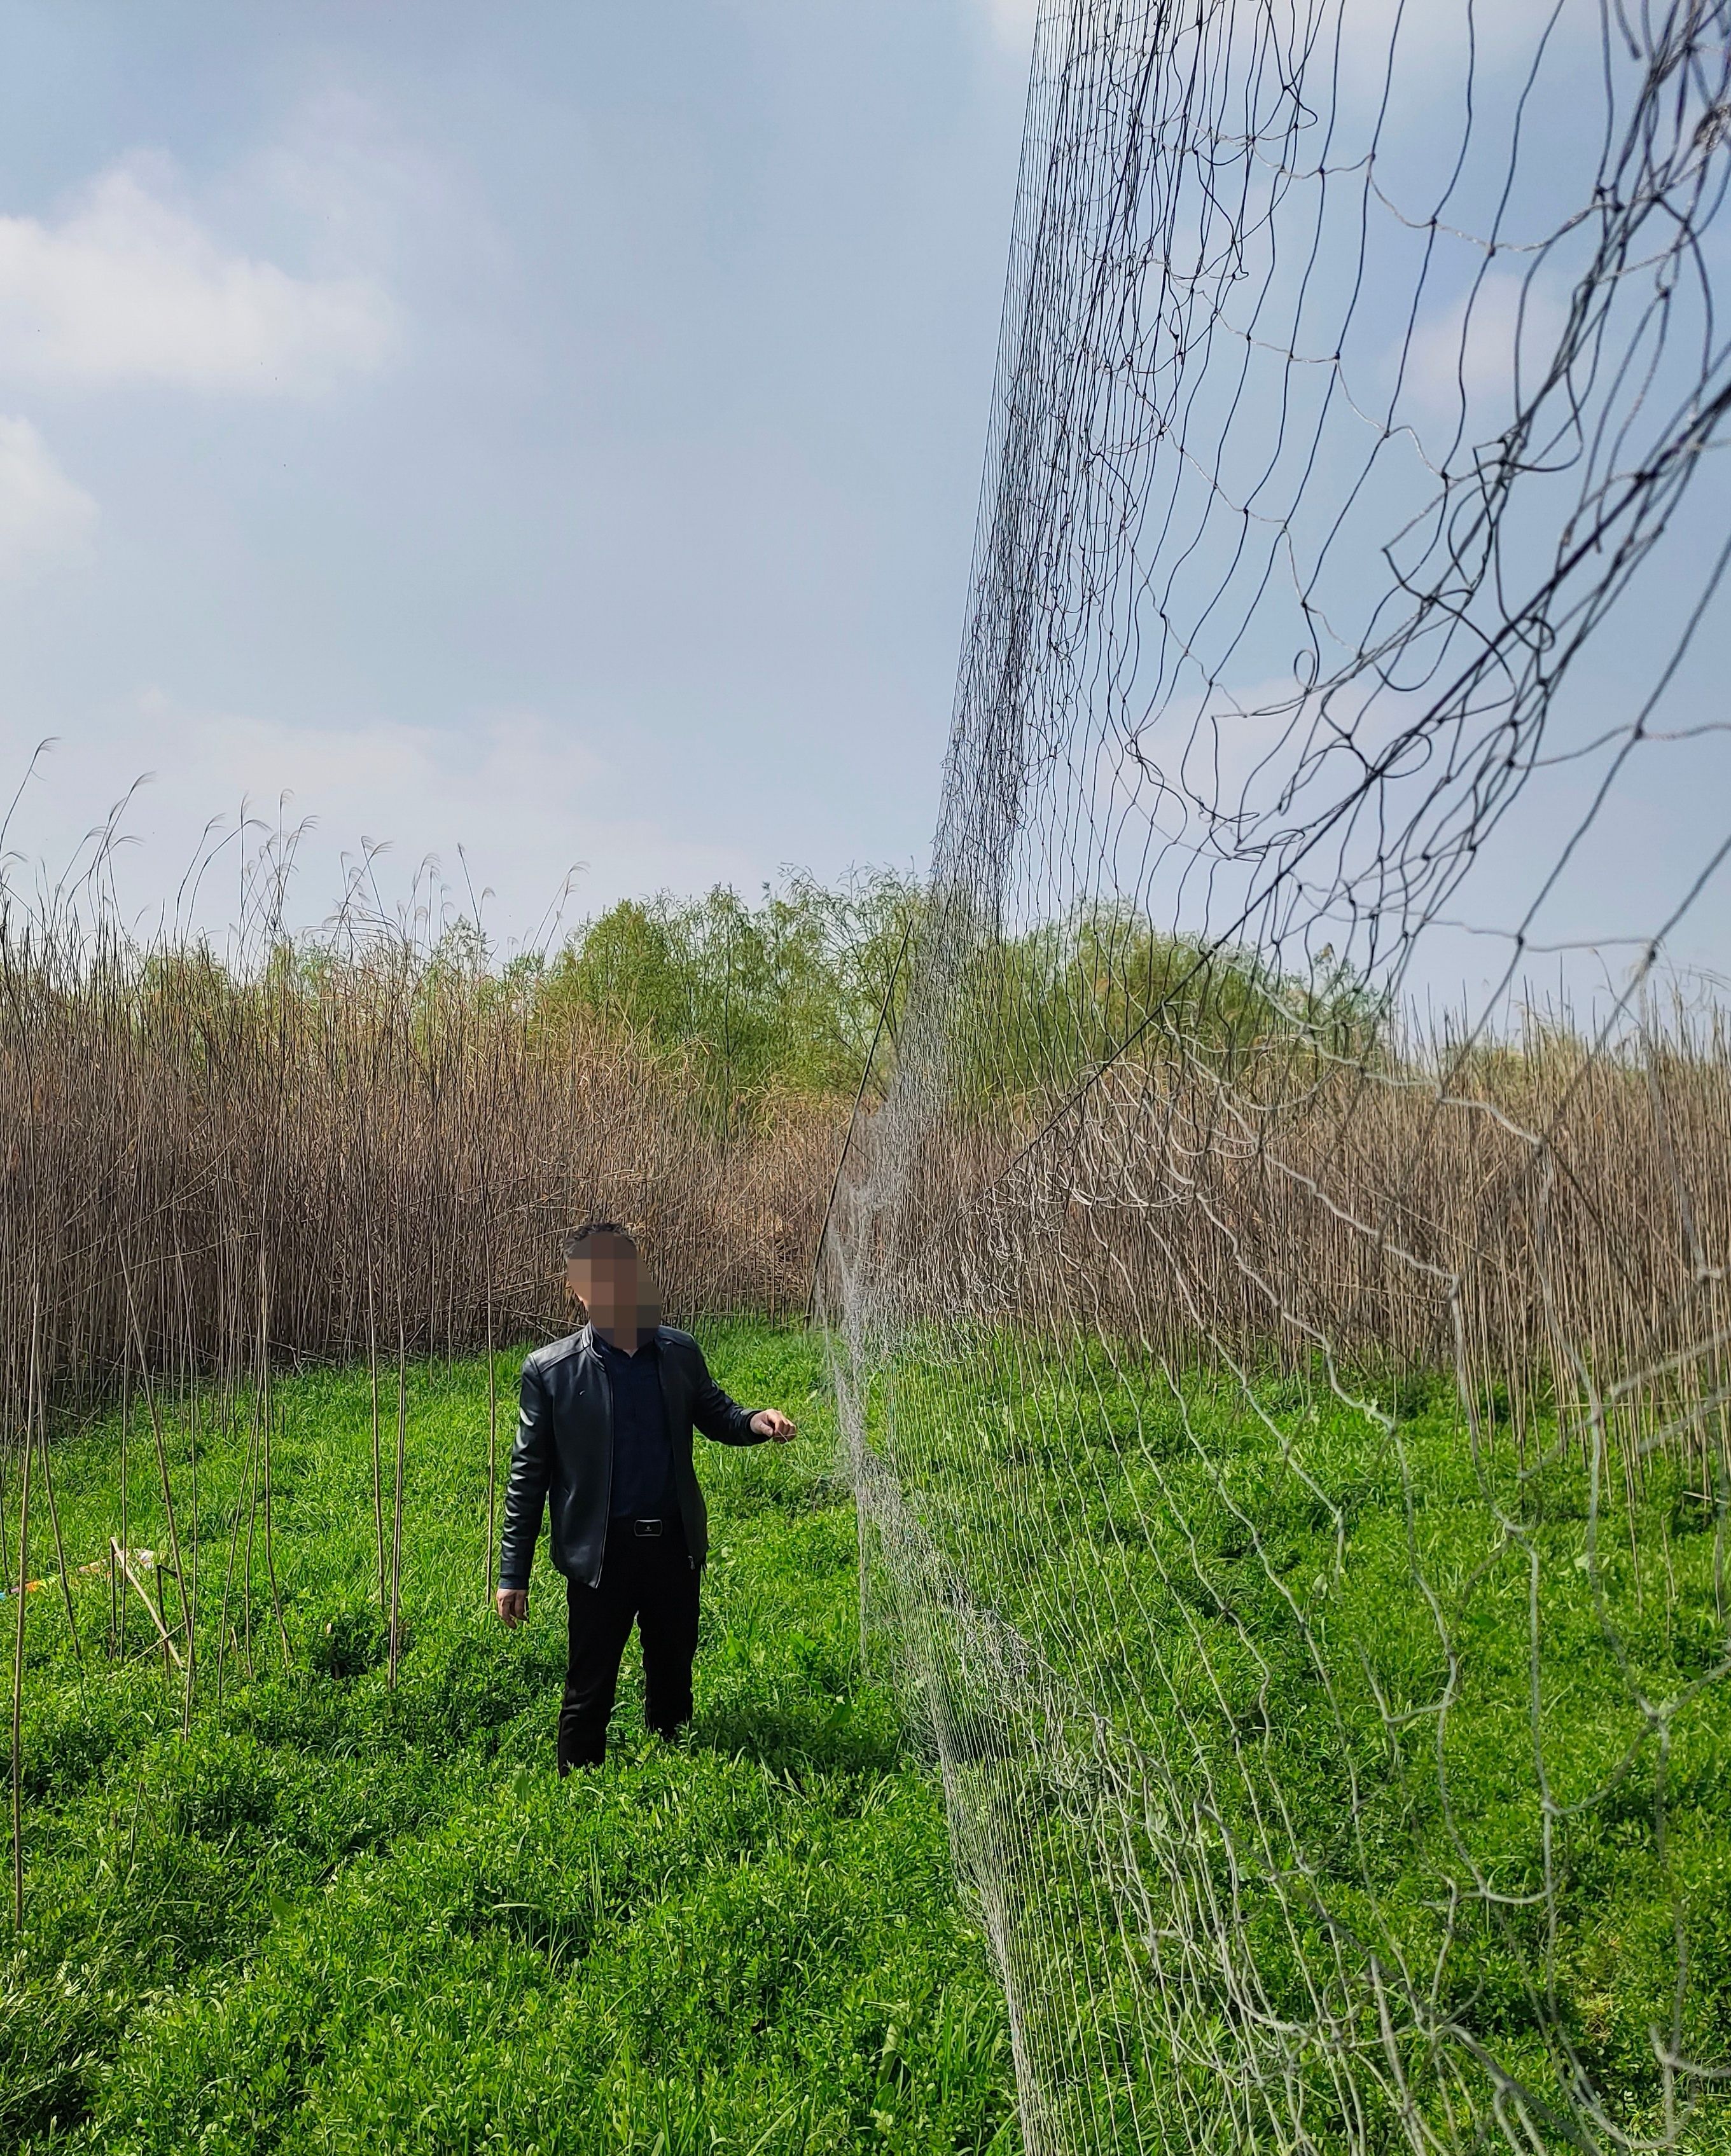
(646, 1529)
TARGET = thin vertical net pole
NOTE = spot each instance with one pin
(1279, 1306)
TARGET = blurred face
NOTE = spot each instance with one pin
(618, 1298)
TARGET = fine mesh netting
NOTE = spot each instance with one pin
(1280, 1298)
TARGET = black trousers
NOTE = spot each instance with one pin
(649, 1579)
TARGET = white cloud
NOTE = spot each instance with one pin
(362, 193)
(127, 287)
(44, 517)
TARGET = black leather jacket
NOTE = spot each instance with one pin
(563, 1454)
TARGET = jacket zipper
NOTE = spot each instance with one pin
(667, 1411)
(607, 1501)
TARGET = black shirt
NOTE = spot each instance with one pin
(642, 1450)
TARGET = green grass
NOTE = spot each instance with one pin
(1400, 1759)
(337, 1916)
(1265, 1844)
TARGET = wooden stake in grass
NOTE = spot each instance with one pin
(189, 1585)
(378, 1493)
(169, 1656)
(264, 1424)
(53, 1514)
(119, 1563)
(48, 1483)
(492, 1433)
(7, 1407)
(18, 1656)
(396, 1502)
(150, 1401)
(252, 1517)
(225, 1631)
(125, 1536)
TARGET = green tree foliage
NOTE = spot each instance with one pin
(1043, 1010)
(783, 997)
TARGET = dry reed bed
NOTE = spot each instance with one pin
(333, 1156)
(1557, 1219)
(330, 1156)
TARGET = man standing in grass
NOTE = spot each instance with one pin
(605, 1433)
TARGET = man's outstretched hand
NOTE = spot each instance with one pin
(513, 1605)
(773, 1423)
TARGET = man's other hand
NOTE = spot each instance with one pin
(513, 1605)
(771, 1423)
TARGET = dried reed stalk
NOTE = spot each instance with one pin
(125, 1446)
(378, 1496)
(168, 1488)
(224, 1632)
(153, 1604)
(18, 1653)
(264, 1425)
(396, 1500)
(53, 1514)
(492, 1447)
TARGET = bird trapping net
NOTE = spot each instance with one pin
(1280, 1294)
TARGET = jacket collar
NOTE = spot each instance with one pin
(590, 1342)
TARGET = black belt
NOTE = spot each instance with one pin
(648, 1529)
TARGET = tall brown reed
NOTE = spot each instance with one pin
(17, 1646)
(1548, 1215)
(382, 1123)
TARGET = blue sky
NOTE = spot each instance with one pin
(550, 430)
(1368, 234)
(556, 432)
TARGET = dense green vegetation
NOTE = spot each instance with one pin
(1388, 1722)
(787, 996)
(1320, 1666)
(753, 1001)
(341, 1916)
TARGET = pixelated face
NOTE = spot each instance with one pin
(618, 1295)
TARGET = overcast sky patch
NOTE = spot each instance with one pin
(123, 286)
(45, 517)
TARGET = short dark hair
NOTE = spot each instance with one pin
(578, 1241)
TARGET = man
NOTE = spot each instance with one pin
(605, 1431)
